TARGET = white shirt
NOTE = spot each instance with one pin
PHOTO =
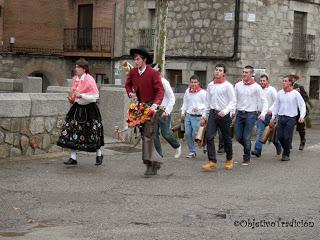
(271, 94)
(142, 70)
(194, 100)
(86, 98)
(251, 98)
(221, 97)
(168, 98)
(287, 104)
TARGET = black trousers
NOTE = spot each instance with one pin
(216, 122)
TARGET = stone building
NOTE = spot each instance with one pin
(277, 37)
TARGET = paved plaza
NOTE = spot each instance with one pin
(44, 199)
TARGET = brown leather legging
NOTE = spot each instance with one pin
(149, 153)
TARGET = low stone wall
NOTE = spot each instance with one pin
(30, 123)
(11, 85)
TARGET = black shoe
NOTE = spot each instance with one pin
(301, 147)
(256, 154)
(99, 160)
(220, 150)
(149, 170)
(279, 151)
(285, 158)
(71, 162)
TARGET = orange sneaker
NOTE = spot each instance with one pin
(209, 166)
(229, 165)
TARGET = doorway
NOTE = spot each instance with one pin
(84, 34)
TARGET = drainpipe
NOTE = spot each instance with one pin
(113, 39)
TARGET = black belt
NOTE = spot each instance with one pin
(215, 111)
(242, 111)
(195, 115)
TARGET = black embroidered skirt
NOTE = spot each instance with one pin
(82, 129)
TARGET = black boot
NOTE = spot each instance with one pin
(149, 170)
(99, 160)
(71, 162)
(302, 140)
(155, 167)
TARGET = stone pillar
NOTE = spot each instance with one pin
(113, 104)
(32, 85)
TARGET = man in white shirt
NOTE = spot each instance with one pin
(285, 109)
(164, 119)
(220, 103)
(193, 108)
(250, 101)
(271, 94)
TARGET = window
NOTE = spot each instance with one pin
(175, 78)
(303, 45)
(314, 87)
(202, 78)
(85, 15)
(101, 78)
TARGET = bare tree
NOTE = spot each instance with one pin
(161, 32)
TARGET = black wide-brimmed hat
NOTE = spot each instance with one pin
(141, 52)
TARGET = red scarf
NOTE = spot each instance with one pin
(218, 80)
(287, 89)
(251, 81)
(267, 85)
(194, 90)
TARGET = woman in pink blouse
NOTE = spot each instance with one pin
(82, 129)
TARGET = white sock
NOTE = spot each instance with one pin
(98, 153)
(73, 155)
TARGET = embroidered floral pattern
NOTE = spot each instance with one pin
(81, 136)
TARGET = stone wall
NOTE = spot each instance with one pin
(30, 123)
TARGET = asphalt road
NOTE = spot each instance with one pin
(270, 199)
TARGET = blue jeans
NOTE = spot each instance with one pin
(164, 127)
(284, 131)
(191, 125)
(261, 125)
(244, 124)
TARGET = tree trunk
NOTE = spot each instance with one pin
(161, 33)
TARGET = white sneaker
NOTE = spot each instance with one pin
(178, 152)
(191, 155)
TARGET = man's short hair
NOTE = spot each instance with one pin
(265, 76)
(222, 66)
(194, 77)
(250, 67)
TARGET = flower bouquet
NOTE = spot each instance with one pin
(139, 113)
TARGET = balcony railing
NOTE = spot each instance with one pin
(87, 40)
(146, 39)
(303, 47)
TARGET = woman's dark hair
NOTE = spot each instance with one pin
(84, 64)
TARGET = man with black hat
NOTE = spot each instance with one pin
(145, 83)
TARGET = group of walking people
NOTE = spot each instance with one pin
(246, 104)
